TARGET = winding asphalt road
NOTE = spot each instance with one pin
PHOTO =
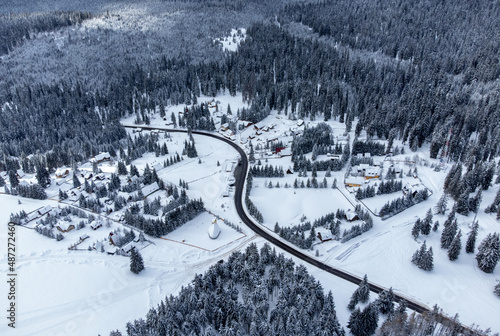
(240, 176)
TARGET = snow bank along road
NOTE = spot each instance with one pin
(240, 176)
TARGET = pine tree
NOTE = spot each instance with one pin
(14, 181)
(415, 231)
(463, 203)
(364, 323)
(364, 290)
(488, 253)
(448, 234)
(76, 181)
(497, 289)
(134, 171)
(418, 255)
(425, 227)
(455, 247)
(136, 262)
(122, 168)
(2, 181)
(385, 302)
(353, 301)
(424, 258)
(441, 205)
(436, 226)
(470, 245)
(427, 263)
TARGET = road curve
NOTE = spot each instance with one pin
(240, 176)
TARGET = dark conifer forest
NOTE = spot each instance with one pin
(422, 68)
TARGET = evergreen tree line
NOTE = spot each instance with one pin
(310, 183)
(169, 222)
(456, 51)
(400, 204)
(397, 322)
(18, 217)
(429, 119)
(236, 298)
(372, 147)
(34, 191)
(459, 186)
(356, 230)
(384, 187)
(302, 164)
(267, 171)
(495, 205)
(313, 138)
(189, 149)
(304, 77)
(197, 117)
(252, 209)
(15, 29)
(296, 234)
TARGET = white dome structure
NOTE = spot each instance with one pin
(214, 230)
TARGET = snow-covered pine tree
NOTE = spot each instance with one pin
(495, 205)
(14, 181)
(364, 323)
(435, 227)
(353, 301)
(497, 289)
(415, 231)
(448, 234)
(136, 262)
(427, 262)
(441, 205)
(470, 245)
(463, 202)
(426, 224)
(385, 302)
(488, 253)
(364, 290)
(455, 247)
(417, 256)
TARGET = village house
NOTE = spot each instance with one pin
(285, 152)
(324, 236)
(351, 216)
(62, 172)
(64, 226)
(150, 189)
(353, 182)
(224, 127)
(260, 126)
(372, 173)
(95, 225)
(411, 189)
(101, 157)
(45, 210)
